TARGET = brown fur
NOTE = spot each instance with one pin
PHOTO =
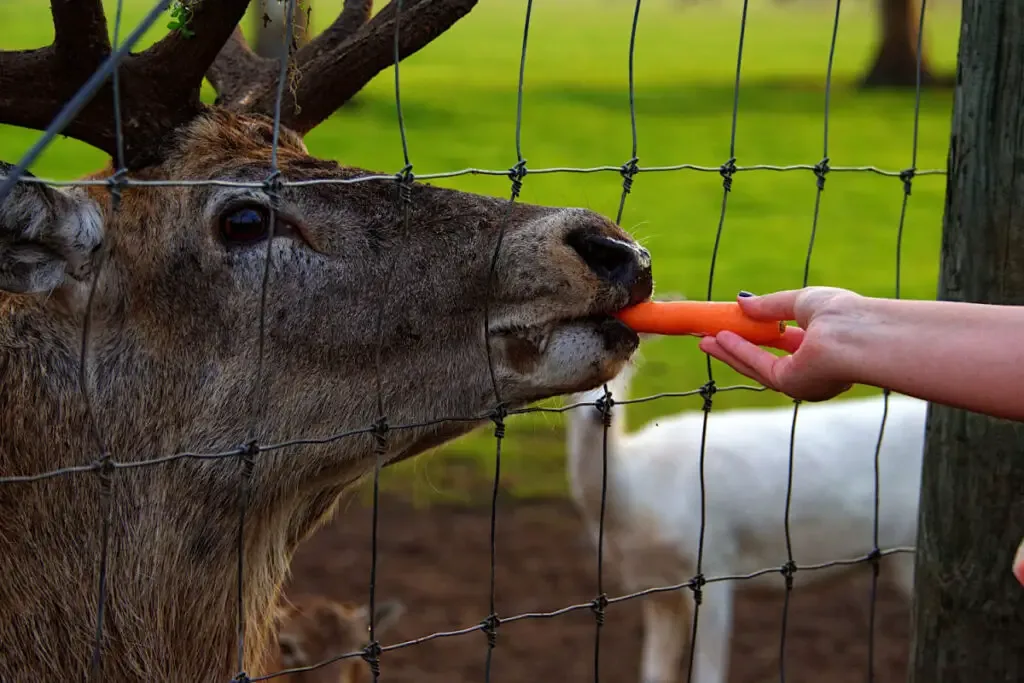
(172, 367)
(312, 629)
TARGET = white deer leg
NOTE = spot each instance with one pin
(665, 632)
(714, 629)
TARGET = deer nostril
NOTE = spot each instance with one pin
(610, 259)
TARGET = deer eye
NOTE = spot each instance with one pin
(245, 226)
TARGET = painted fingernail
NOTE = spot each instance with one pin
(744, 293)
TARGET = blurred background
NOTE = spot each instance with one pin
(459, 102)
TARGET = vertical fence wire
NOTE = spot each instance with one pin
(403, 205)
(906, 178)
(500, 411)
(727, 171)
(821, 170)
(247, 456)
(628, 171)
(106, 471)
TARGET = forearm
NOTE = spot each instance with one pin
(966, 355)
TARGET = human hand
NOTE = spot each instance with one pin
(815, 369)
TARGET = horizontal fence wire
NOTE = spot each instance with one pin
(127, 181)
(106, 465)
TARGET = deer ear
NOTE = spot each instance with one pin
(47, 236)
(386, 614)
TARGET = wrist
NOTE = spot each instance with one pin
(852, 325)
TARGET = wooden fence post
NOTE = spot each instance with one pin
(968, 608)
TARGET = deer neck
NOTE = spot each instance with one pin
(172, 551)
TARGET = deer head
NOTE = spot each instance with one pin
(312, 629)
(177, 350)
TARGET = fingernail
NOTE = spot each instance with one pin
(744, 293)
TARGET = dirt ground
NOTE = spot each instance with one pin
(436, 561)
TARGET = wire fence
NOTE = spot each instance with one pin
(106, 467)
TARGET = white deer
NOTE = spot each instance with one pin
(653, 506)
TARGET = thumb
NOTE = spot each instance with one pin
(775, 306)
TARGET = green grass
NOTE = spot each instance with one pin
(459, 101)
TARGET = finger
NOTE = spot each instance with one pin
(791, 339)
(711, 346)
(757, 359)
(775, 306)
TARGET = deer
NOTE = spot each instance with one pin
(389, 308)
(312, 629)
(653, 506)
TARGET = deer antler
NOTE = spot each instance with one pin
(160, 86)
(80, 34)
(336, 64)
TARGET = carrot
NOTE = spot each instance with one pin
(700, 318)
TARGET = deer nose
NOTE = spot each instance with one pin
(616, 261)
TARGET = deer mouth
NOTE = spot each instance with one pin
(525, 344)
(617, 336)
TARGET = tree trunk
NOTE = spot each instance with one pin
(969, 610)
(269, 26)
(896, 61)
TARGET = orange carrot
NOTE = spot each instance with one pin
(700, 318)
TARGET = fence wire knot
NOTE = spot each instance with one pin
(405, 178)
(597, 606)
(707, 392)
(249, 451)
(273, 186)
(105, 469)
(498, 416)
(516, 175)
(371, 655)
(821, 169)
(247, 454)
(628, 170)
(788, 570)
(907, 175)
(604, 406)
(490, 628)
(727, 170)
(241, 677)
(380, 433)
(696, 586)
(114, 185)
